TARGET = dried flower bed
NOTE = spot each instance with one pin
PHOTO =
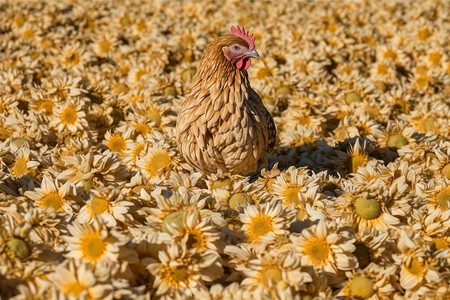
(96, 202)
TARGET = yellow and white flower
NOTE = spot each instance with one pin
(326, 247)
(265, 222)
(180, 273)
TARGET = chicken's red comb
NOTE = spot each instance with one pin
(242, 34)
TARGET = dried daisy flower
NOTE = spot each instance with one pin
(64, 87)
(220, 185)
(15, 244)
(374, 205)
(53, 195)
(135, 151)
(356, 156)
(440, 164)
(154, 113)
(117, 142)
(267, 178)
(69, 118)
(24, 164)
(326, 247)
(295, 188)
(107, 204)
(180, 273)
(93, 243)
(265, 222)
(375, 282)
(435, 194)
(396, 135)
(373, 247)
(171, 209)
(105, 45)
(159, 160)
(74, 57)
(274, 273)
(196, 233)
(417, 264)
(242, 194)
(399, 100)
(78, 280)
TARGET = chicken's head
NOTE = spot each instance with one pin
(241, 48)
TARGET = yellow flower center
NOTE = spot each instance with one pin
(196, 240)
(271, 276)
(175, 219)
(19, 20)
(20, 167)
(158, 161)
(317, 250)
(284, 91)
(427, 124)
(263, 72)
(117, 143)
(441, 243)
(446, 171)
(141, 26)
(435, 58)
(72, 57)
(52, 200)
(260, 225)
(19, 248)
(362, 288)
(401, 105)
(292, 194)
(390, 54)
(357, 161)
(154, 117)
(362, 254)
(179, 274)
(28, 33)
(121, 89)
(238, 198)
(422, 81)
(443, 199)
(424, 34)
(170, 91)
(47, 106)
(188, 74)
(352, 98)
(135, 99)
(368, 209)
(397, 141)
(99, 205)
(219, 184)
(74, 289)
(92, 247)
(382, 69)
(125, 21)
(268, 101)
(104, 46)
(415, 267)
(69, 116)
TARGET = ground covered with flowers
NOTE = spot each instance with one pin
(96, 201)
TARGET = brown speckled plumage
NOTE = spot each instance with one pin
(223, 123)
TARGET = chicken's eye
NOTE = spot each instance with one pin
(235, 47)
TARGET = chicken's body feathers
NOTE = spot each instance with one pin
(223, 124)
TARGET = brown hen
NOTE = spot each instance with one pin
(223, 124)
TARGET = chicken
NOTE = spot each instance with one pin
(223, 124)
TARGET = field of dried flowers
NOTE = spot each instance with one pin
(96, 202)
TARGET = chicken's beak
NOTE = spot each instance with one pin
(252, 54)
